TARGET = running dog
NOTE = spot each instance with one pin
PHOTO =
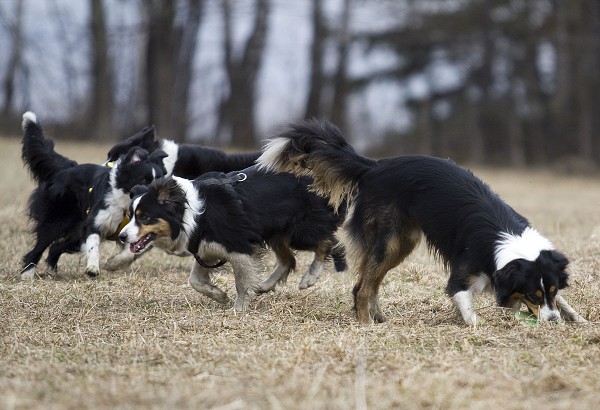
(230, 218)
(75, 206)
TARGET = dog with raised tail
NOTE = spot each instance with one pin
(485, 244)
(219, 218)
(75, 206)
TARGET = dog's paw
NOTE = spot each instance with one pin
(264, 287)
(117, 262)
(28, 273)
(92, 271)
(308, 280)
(379, 318)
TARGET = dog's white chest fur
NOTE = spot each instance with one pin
(108, 219)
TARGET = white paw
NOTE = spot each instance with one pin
(28, 274)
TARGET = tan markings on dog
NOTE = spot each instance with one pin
(164, 193)
(535, 309)
(160, 229)
(325, 179)
(515, 298)
(552, 289)
(539, 294)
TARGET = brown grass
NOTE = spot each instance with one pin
(143, 338)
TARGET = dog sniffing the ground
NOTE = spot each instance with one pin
(393, 202)
(75, 206)
(221, 218)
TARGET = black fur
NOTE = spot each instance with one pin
(192, 160)
(242, 212)
(392, 201)
(64, 207)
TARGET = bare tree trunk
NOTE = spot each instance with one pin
(102, 104)
(237, 108)
(187, 37)
(160, 65)
(14, 61)
(341, 87)
(317, 81)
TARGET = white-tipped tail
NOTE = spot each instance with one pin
(271, 155)
(28, 117)
(527, 245)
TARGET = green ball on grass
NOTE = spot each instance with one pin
(526, 318)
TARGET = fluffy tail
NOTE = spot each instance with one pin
(38, 151)
(318, 150)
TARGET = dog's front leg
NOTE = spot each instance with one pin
(200, 280)
(120, 260)
(464, 302)
(245, 271)
(568, 312)
(91, 251)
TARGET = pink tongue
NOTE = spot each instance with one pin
(132, 247)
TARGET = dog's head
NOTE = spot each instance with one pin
(534, 283)
(138, 167)
(162, 213)
(146, 139)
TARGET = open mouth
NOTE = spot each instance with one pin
(141, 244)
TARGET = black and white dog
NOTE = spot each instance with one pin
(485, 243)
(230, 217)
(191, 161)
(184, 160)
(75, 206)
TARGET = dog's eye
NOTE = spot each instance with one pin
(535, 298)
(143, 218)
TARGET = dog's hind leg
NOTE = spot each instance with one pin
(566, 309)
(200, 280)
(317, 266)
(58, 248)
(32, 258)
(245, 269)
(388, 251)
(286, 262)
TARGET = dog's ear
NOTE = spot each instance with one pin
(144, 138)
(157, 156)
(559, 259)
(136, 155)
(507, 281)
(138, 190)
(555, 263)
(164, 191)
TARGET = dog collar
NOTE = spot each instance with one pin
(89, 207)
(206, 265)
(115, 235)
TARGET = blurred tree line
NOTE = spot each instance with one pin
(485, 81)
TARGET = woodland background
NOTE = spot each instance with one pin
(510, 82)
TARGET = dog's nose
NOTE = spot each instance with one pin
(122, 237)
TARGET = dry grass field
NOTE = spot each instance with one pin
(143, 338)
